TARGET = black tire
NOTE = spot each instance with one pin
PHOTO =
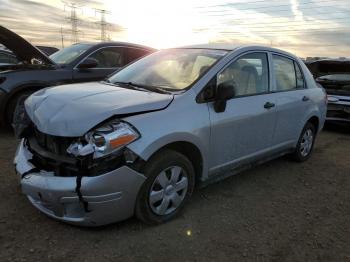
(16, 106)
(159, 162)
(298, 154)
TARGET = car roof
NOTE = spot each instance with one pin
(233, 47)
(113, 43)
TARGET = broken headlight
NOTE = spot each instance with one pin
(105, 139)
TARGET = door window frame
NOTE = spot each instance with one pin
(200, 100)
(274, 81)
(98, 49)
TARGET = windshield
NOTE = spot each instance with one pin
(174, 69)
(68, 54)
(336, 77)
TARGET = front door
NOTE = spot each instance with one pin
(109, 59)
(244, 130)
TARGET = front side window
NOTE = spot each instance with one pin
(248, 75)
(172, 69)
(109, 57)
(284, 73)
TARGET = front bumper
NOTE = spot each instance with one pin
(338, 109)
(110, 197)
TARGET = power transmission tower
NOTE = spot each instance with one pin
(103, 23)
(73, 19)
(62, 40)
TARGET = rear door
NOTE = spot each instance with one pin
(291, 95)
(109, 59)
(244, 130)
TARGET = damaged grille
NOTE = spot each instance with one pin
(53, 144)
(50, 154)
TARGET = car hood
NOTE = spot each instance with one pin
(23, 50)
(329, 67)
(72, 110)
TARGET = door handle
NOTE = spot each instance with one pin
(269, 105)
(306, 98)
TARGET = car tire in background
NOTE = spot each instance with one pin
(305, 144)
(15, 108)
(169, 184)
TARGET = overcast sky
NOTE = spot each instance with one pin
(304, 27)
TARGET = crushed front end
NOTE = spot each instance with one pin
(76, 186)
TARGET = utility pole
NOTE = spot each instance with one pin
(73, 19)
(103, 23)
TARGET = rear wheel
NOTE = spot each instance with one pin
(305, 143)
(169, 184)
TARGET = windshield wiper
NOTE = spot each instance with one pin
(140, 87)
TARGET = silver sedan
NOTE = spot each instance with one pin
(139, 143)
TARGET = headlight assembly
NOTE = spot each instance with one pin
(105, 139)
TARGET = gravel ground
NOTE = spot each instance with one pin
(279, 211)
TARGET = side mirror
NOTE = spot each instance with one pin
(88, 63)
(224, 92)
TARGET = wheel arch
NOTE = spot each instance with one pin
(15, 92)
(188, 148)
(315, 121)
(190, 151)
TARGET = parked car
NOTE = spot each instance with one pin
(48, 50)
(78, 63)
(138, 143)
(7, 58)
(334, 76)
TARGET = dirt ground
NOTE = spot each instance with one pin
(280, 211)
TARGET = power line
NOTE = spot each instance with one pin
(234, 4)
(291, 22)
(272, 26)
(252, 9)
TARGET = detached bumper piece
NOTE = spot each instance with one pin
(88, 201)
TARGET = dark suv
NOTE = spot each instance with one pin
(78, 63)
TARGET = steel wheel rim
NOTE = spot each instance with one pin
(168, 190)
(306, 142)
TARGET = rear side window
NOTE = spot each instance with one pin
(285, 74)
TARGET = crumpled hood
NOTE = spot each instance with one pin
(72, 110)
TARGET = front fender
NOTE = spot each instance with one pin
(180, 122)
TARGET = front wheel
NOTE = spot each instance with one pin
(169, 184)
(305, 143)
(16, 109)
